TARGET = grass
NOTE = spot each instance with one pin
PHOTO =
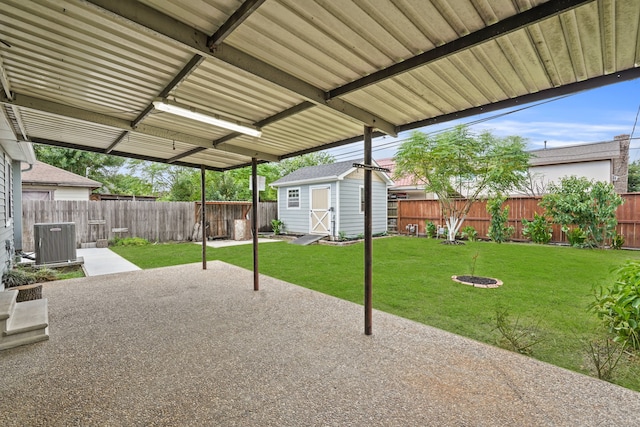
(547, 286)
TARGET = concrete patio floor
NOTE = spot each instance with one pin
(186, 346)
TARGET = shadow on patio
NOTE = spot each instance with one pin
(183, 346)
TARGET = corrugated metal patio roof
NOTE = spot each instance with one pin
(310, 74)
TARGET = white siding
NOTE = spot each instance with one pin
(597, 171)
(351, 219)
(62, 193)
(6, 214)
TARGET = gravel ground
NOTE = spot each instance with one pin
(183, 346)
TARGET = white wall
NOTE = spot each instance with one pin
(597, 171)
(62, 193)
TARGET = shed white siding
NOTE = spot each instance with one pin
(351, 218)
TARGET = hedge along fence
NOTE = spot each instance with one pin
(154, 221)
(420, 211)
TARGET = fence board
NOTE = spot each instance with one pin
(420, 211)
(154, 221)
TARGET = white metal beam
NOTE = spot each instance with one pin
(25, 101)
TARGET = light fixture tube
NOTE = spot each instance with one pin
(190, 113)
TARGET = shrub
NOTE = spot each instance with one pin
(515, 336)
(617, 242)
(538, 230)
(589, 205)
(17, 277)
(130, 241)
(498, 230)
(277, 226)
(431, 229)
(619, 305)
(575, 236)
(469, 233)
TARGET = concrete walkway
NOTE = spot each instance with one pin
(99, 261)
(192, 347)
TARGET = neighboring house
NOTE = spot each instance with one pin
(12, 153)
(329, 200)
(46, 182)
(601, 161)
(405, 187)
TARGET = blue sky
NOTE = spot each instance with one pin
(591, 116)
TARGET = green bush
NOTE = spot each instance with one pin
(538, 230)
(619, 305)
(17, 277)
(589, 205)
(498, 230)
(431, 229)
(469, 233)
(617, 242)
(130, 241)
(277, 226)
(575, 236)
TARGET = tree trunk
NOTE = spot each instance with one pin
(28, 292)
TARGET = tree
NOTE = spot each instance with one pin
(96, 166)
(589, 205)
(311, 159)
(459, 167)
(634, 177)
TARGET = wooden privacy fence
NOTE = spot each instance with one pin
(220, 216)
(154, 221)
(418, 212)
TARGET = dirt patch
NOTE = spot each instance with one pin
(478, 281)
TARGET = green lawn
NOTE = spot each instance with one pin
(546, 286)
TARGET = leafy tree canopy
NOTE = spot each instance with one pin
(589, 205)
(95, 166)
(634, 177)
(460, 166)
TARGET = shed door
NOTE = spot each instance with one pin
(320, 213)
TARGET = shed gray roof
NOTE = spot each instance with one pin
(322, 173)
(45, 174)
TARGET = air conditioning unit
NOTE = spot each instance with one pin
(55, 242)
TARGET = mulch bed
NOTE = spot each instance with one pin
(478, 281)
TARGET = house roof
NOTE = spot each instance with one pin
(402, 183)
(576, 153)
(324, 173)
(310, 74)
(45, 174)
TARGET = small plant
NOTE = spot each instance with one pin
(431, 229)
(498, 230)
(617, 242)
(538, 230)
(277, 226)
(515, 336)
(619, 305)
(17, 277)
(469, 233)
(45, 274)
(575, 236)
(129, 241)
(473, 264)
(342, 236)
(605, 354)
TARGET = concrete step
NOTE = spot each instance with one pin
(28, 322)
(7, 304)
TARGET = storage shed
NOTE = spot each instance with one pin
(329, 200)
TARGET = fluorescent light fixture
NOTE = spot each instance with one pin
(191, 113)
